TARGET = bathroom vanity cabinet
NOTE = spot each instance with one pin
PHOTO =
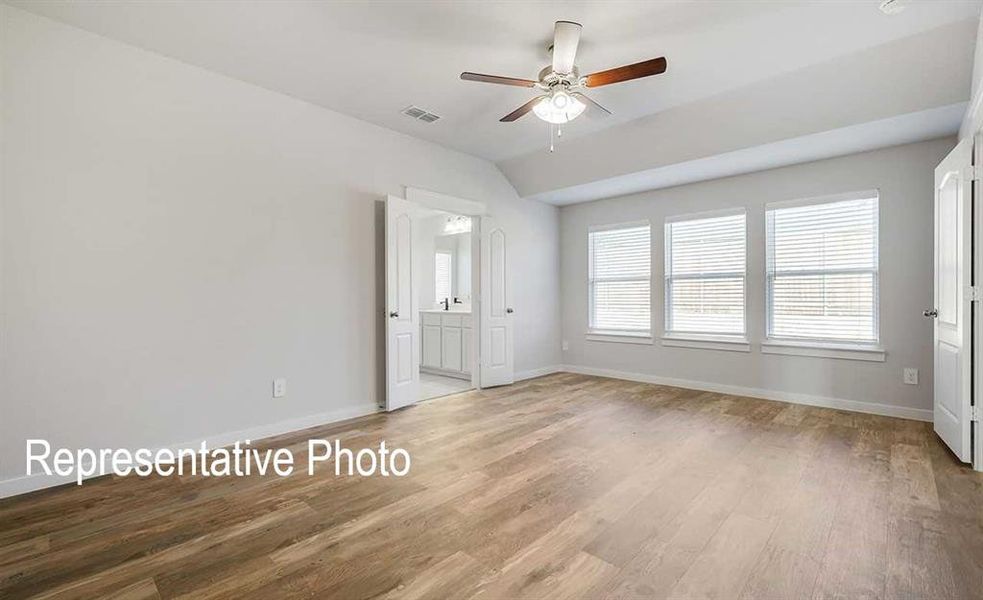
(446, 338)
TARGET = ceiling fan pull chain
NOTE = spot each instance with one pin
(551, 137)
(559, 131)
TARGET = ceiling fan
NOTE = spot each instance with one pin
(561, 83)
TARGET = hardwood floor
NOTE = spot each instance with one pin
(564, 486)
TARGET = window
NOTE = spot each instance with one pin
(822, 269)
(620, 279)
(706, 262)
(442, 275)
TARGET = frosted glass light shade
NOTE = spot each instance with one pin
(558, 108)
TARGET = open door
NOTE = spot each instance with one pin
(953, 311)
(496, 307)
(402, 316)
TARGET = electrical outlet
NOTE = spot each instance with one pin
(279, 388)
(565, 345)
(911, 376)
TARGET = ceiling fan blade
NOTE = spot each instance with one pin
(497, 79)
(521, 111)
(601, 111)
(566, 38)
(627, 73)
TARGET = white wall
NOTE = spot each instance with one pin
(425, 245)
(462, 278)
(904, 176)
(973, 119)
(174, 239)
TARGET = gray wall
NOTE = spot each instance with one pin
(904, 176)
(173, 239)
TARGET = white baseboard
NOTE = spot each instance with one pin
(523, 375)
(29, 483)
(887, 410)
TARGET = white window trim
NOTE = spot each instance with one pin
(868, 351)
(864, 352)
(622, 225)
(699, 337)
(641, 336)
(707, 214)
(620, 337)
(735, 343)
(826, 199)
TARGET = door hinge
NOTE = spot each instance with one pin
(972, 293)
(974, 413)
(973, 172)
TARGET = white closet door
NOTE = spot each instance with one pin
(953, 305)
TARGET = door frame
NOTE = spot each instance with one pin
(475, 210)
(976, 427)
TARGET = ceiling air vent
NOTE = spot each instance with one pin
(892, 7)
(420, 114)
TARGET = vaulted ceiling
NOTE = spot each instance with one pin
(742, 75)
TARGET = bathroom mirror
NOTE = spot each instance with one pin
(452, 267)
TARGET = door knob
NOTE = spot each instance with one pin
(931, 314)
(394, 314)
(509, 311)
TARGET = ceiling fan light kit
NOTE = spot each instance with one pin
(563, 100)
(558, 107)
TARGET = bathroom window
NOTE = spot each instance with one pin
(620, 259)
(443, 272)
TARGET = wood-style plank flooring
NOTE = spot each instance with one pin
(565, 486)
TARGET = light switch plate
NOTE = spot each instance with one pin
(911, 376)
(279, 388)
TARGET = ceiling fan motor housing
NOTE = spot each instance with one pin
(549, 79)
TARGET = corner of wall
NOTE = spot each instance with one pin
(974, 113)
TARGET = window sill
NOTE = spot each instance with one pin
(620, 337)
(708, 342)
(863, 352)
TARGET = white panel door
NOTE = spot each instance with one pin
(496, 308)
(953, 304)
(402, 316)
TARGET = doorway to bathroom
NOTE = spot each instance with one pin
(444, 249)
(436, 345)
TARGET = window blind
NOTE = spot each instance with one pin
(706, 265)
(442, 276)
(822, 279)
(620, 279)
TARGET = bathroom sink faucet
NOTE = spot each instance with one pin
(446, 304)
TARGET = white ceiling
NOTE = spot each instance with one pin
(372, 59)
